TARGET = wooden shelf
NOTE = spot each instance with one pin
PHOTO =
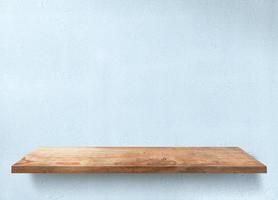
(139, 160)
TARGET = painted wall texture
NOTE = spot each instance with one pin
(144, 73)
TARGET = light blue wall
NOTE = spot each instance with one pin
(144, 73)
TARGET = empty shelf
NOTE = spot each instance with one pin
(138, 160)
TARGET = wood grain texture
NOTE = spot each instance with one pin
(139, 160)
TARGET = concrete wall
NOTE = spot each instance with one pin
(144, 73)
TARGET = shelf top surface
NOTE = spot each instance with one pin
(138, 160)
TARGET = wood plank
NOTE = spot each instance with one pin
(139, 160)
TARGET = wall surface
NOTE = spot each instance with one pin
(144, 73)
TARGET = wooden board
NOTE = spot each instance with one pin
(139, 160)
